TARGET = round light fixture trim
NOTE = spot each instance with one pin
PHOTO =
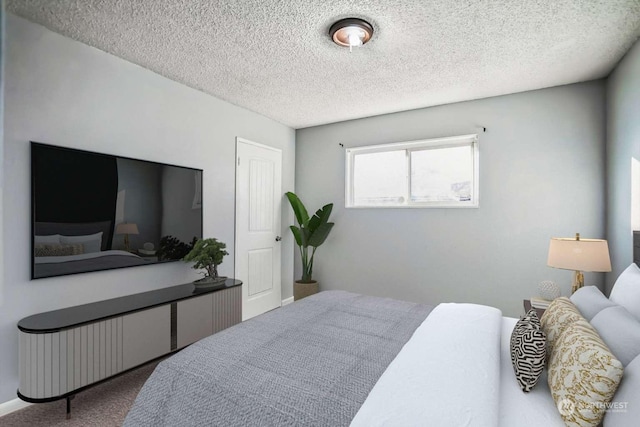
(351, 32)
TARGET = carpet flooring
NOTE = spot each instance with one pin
(104, 405)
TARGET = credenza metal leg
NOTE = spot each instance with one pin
(69, 398)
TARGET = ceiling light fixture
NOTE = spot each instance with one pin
(351, 32)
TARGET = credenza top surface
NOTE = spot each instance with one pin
(66, 318)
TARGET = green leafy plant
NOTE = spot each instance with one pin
(310, 232)
(207, 254)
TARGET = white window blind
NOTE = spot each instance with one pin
(440, 172)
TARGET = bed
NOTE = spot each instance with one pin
(339, 359)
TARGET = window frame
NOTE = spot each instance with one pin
(409, 147)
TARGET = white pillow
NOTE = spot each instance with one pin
(620, 331)
(590, 301)
(626, 290)
(54, 238)
(91, 242)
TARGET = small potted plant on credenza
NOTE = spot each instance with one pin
(207, 254)
(310, 233)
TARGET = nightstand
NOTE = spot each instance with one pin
(527, 307)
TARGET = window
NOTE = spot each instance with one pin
(439, 172)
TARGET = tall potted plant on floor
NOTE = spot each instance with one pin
(310, 233)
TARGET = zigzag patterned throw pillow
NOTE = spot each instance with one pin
(528, 350)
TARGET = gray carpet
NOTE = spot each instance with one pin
(104, 405)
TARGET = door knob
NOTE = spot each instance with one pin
(278, 238)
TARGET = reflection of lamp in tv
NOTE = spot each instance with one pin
(126, 229)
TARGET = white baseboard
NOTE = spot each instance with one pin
(12, 406)
(287, 301)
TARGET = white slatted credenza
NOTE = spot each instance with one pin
(65, 351)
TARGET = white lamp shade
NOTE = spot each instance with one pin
(127, 228)
(579, 255)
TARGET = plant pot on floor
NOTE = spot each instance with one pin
(302, 290)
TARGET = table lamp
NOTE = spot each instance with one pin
(126, 229)
(579, 255)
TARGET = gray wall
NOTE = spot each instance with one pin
(542, 174)
(62, 92)
(623, 144)
(2, 60)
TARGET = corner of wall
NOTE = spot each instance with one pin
(2, 59)
(622, 146)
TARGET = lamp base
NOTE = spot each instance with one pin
(578, 281)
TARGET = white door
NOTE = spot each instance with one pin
(258, 210)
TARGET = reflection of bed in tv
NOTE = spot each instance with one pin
(101, 258)
(70, 264)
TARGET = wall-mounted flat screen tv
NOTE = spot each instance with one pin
(93, 211)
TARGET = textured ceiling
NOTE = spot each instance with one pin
(275, 57)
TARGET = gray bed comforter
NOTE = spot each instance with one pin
(311, 363)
